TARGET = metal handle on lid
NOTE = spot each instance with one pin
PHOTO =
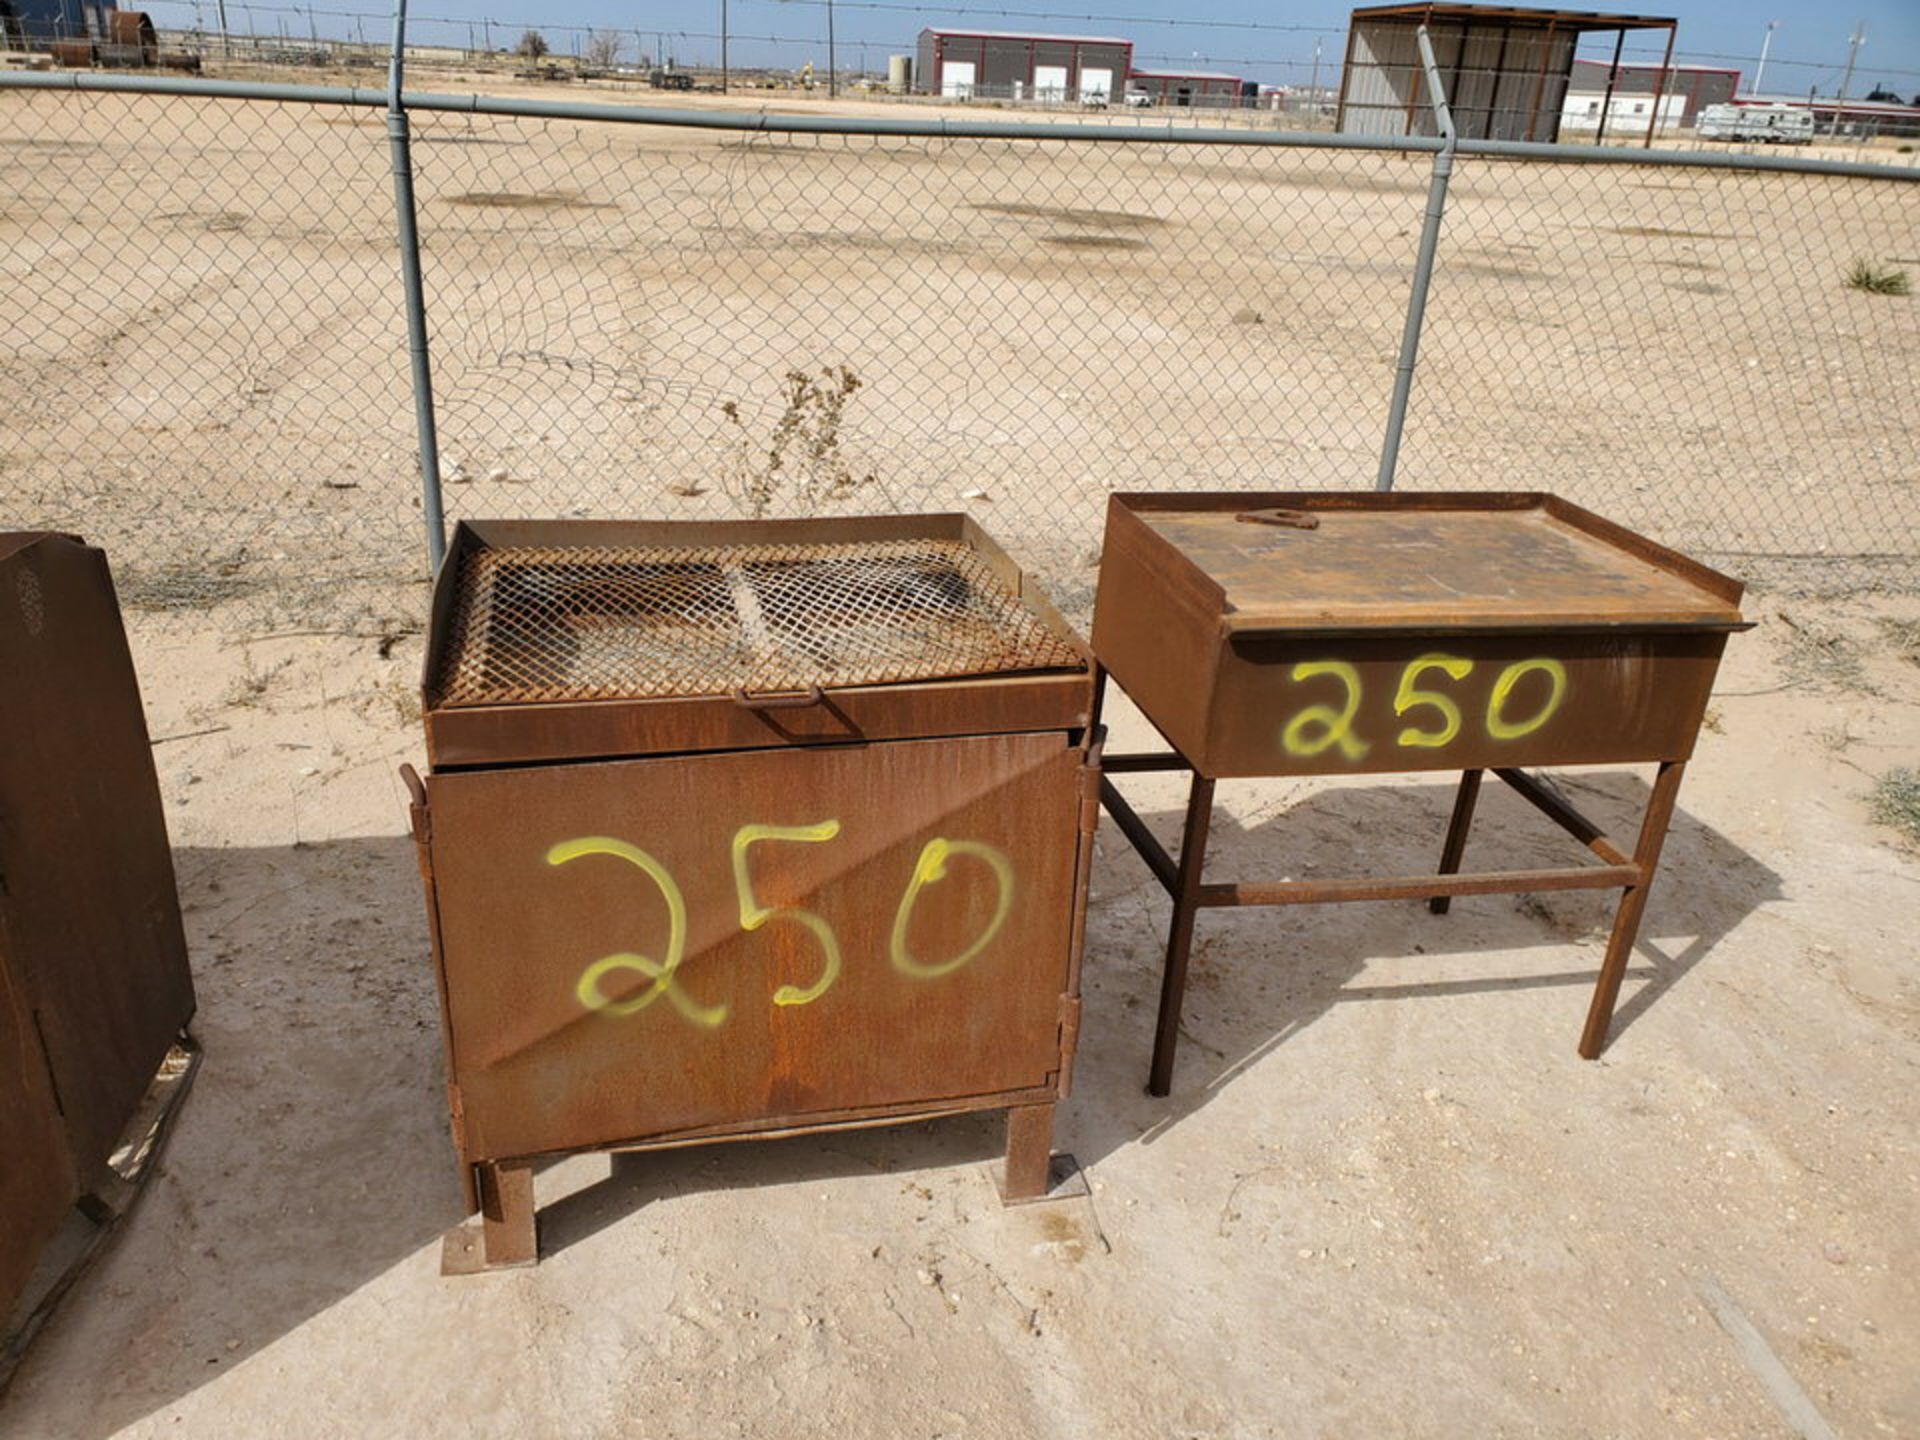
(777, 699)
(1296, 519)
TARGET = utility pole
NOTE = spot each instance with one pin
(486, 33)
(226, 41)
(723, 47)
(1313, 90)
(832, 89)
(1854, 42)
(1766, 44)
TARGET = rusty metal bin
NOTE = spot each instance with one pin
(739, 829)
(95, 992)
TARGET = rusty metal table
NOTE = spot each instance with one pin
(1296, 634)
(742, 829)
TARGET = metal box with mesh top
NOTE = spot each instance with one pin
(561, 640)
(747, 828)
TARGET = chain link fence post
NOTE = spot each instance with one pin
(1422, 269)
(415, 296)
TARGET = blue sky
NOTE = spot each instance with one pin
(1254, 38)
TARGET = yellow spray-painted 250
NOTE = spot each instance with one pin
(930, 867)
(753, 914)
(661, 974)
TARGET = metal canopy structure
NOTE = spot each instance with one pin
(1506, 68)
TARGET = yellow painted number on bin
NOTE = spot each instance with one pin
(1409, 698)
(932, 867)
(753, 914)
(1498, 726)
(1318, 727)
(661, 973)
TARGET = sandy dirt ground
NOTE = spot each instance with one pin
(206, 369)
(1385, 1199)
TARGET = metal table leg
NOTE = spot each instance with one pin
(1456, 842)
(506, 1213)
(1029, 1152)
(1173, 982)
(1633, 903)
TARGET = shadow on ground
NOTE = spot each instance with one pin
(313, 1154)
(1259, 977)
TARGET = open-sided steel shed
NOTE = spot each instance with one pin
(1506, 70)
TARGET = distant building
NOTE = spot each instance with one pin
(1683, 91)
(1014, 65)
(1184, 87)
(1852, 118)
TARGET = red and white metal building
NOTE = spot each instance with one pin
(1013, 65)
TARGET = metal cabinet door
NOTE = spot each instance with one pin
(646, 948)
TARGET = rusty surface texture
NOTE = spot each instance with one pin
(567, 640)
(639, 948)
(1406, 632)
(94, 985)
(820, 859)
(590, 623)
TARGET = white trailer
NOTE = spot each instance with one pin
(1756, 124)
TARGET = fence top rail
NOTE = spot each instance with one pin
(930, 127)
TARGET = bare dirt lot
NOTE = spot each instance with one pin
(206, 368)
(1386, 1198)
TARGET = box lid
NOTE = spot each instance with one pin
(1378, 563)
(675, 617)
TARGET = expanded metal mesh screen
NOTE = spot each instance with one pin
(597, 623)
(203, 362)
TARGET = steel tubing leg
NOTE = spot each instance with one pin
(506, 1213)
(1456, 843)
(1173, 981)
(1633, 903)
(1029, 1152)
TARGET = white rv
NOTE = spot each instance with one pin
(1756, 124)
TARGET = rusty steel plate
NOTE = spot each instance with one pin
(1334, 634)
(38, 1185)
(635, 949)
(94, 984)
(93, 941)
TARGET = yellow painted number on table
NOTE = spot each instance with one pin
(930, 868)
(1498, 726)
(660, 973)
(1319, 727)
(753, 914)
(1409, 698)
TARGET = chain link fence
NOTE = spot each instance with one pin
(205, 367)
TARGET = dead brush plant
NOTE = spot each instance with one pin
(1896, 802)
(1872, 278)
(801, 462)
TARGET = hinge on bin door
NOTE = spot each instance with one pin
(1069, 1039)
(417, 813)
(1090, 786)
(457, 1117)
